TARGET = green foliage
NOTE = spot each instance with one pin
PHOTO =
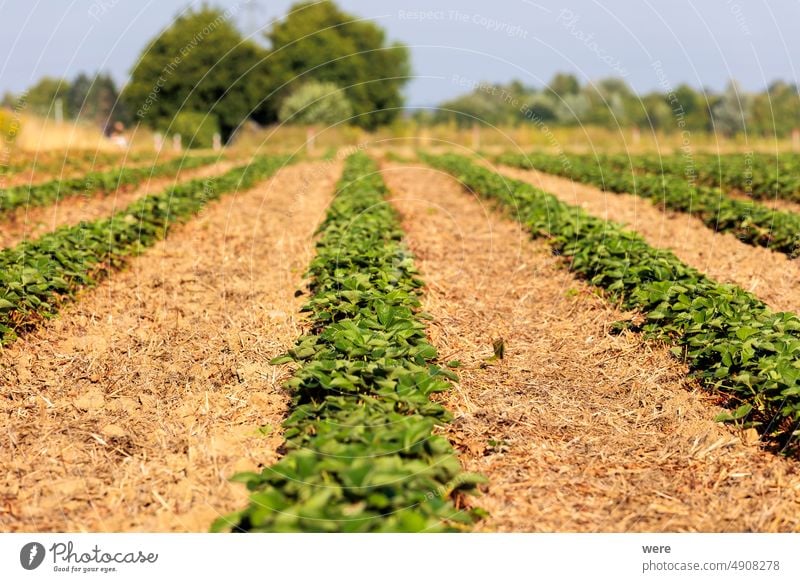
(96, 100)
(41, 98)
(320, 41)
(37, 276)
(362, 453)
(731, 340)
(775, 111)
(93, 183)
(760, 176)
(749, 221)
(200, 63)
(611, 103)
(316, 103)
(195, 128)
(732, 111)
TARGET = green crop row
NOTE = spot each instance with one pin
(362, 455)
(37, 276)
(749, 221)
(93, 183)
(759, 176)
(731, 340)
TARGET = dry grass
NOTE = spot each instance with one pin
(576, 429)
(770, 275)
(42, 134)
(411, 136)
(131, 410)
(29, 223)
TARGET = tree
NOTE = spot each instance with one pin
(564, 84)
(319, 40)
(195, 128)
(612, 103)
(777, 111)
(692, 104)
(201, 64)
(41, 98)
(96, 100)
(477, 107)
(732, 112)
(316, 103)
(655, 112)
(77, 94)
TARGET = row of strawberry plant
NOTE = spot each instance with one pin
(37, 276)
(731, 340)
(362, 455)
(759, 176)
(94, 182)
(749, 221)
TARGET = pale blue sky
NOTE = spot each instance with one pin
(702, 42)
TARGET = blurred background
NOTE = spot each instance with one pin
(580, 75)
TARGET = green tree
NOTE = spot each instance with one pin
(96, 100)
(655, 112)
(732, 111)
(477, 107)
(195, 128)
(564, 84)
(692, 104)
(41, 98)
(776, 111)
(201, 64)
(314, 102)
(612, 103)
(319, 40)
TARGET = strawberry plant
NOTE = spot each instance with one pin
(93, 183)
(730, 339)
(751, 222)
(362, 453)
(37, 276)
(759, 176)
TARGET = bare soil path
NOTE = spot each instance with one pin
(29, 223)
(771, 276)
(577, 429)
(132, 409)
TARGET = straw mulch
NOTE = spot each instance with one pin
(29, 223)
(770, 275)
(131, 410)
(577, 429)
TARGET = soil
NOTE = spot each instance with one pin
(132, 410)
(577, 429)
(29, 223)
(770, 275)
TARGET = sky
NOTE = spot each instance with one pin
(653, 45)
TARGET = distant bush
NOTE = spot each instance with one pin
(316, 103)
(196, 129)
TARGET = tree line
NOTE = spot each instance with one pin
(200, 76)
(612, 103)
(321, 65)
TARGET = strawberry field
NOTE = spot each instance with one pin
(400, 341)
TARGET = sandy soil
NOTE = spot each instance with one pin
(28, 223)
(770, 275)
(132, 409)
(576, 429)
